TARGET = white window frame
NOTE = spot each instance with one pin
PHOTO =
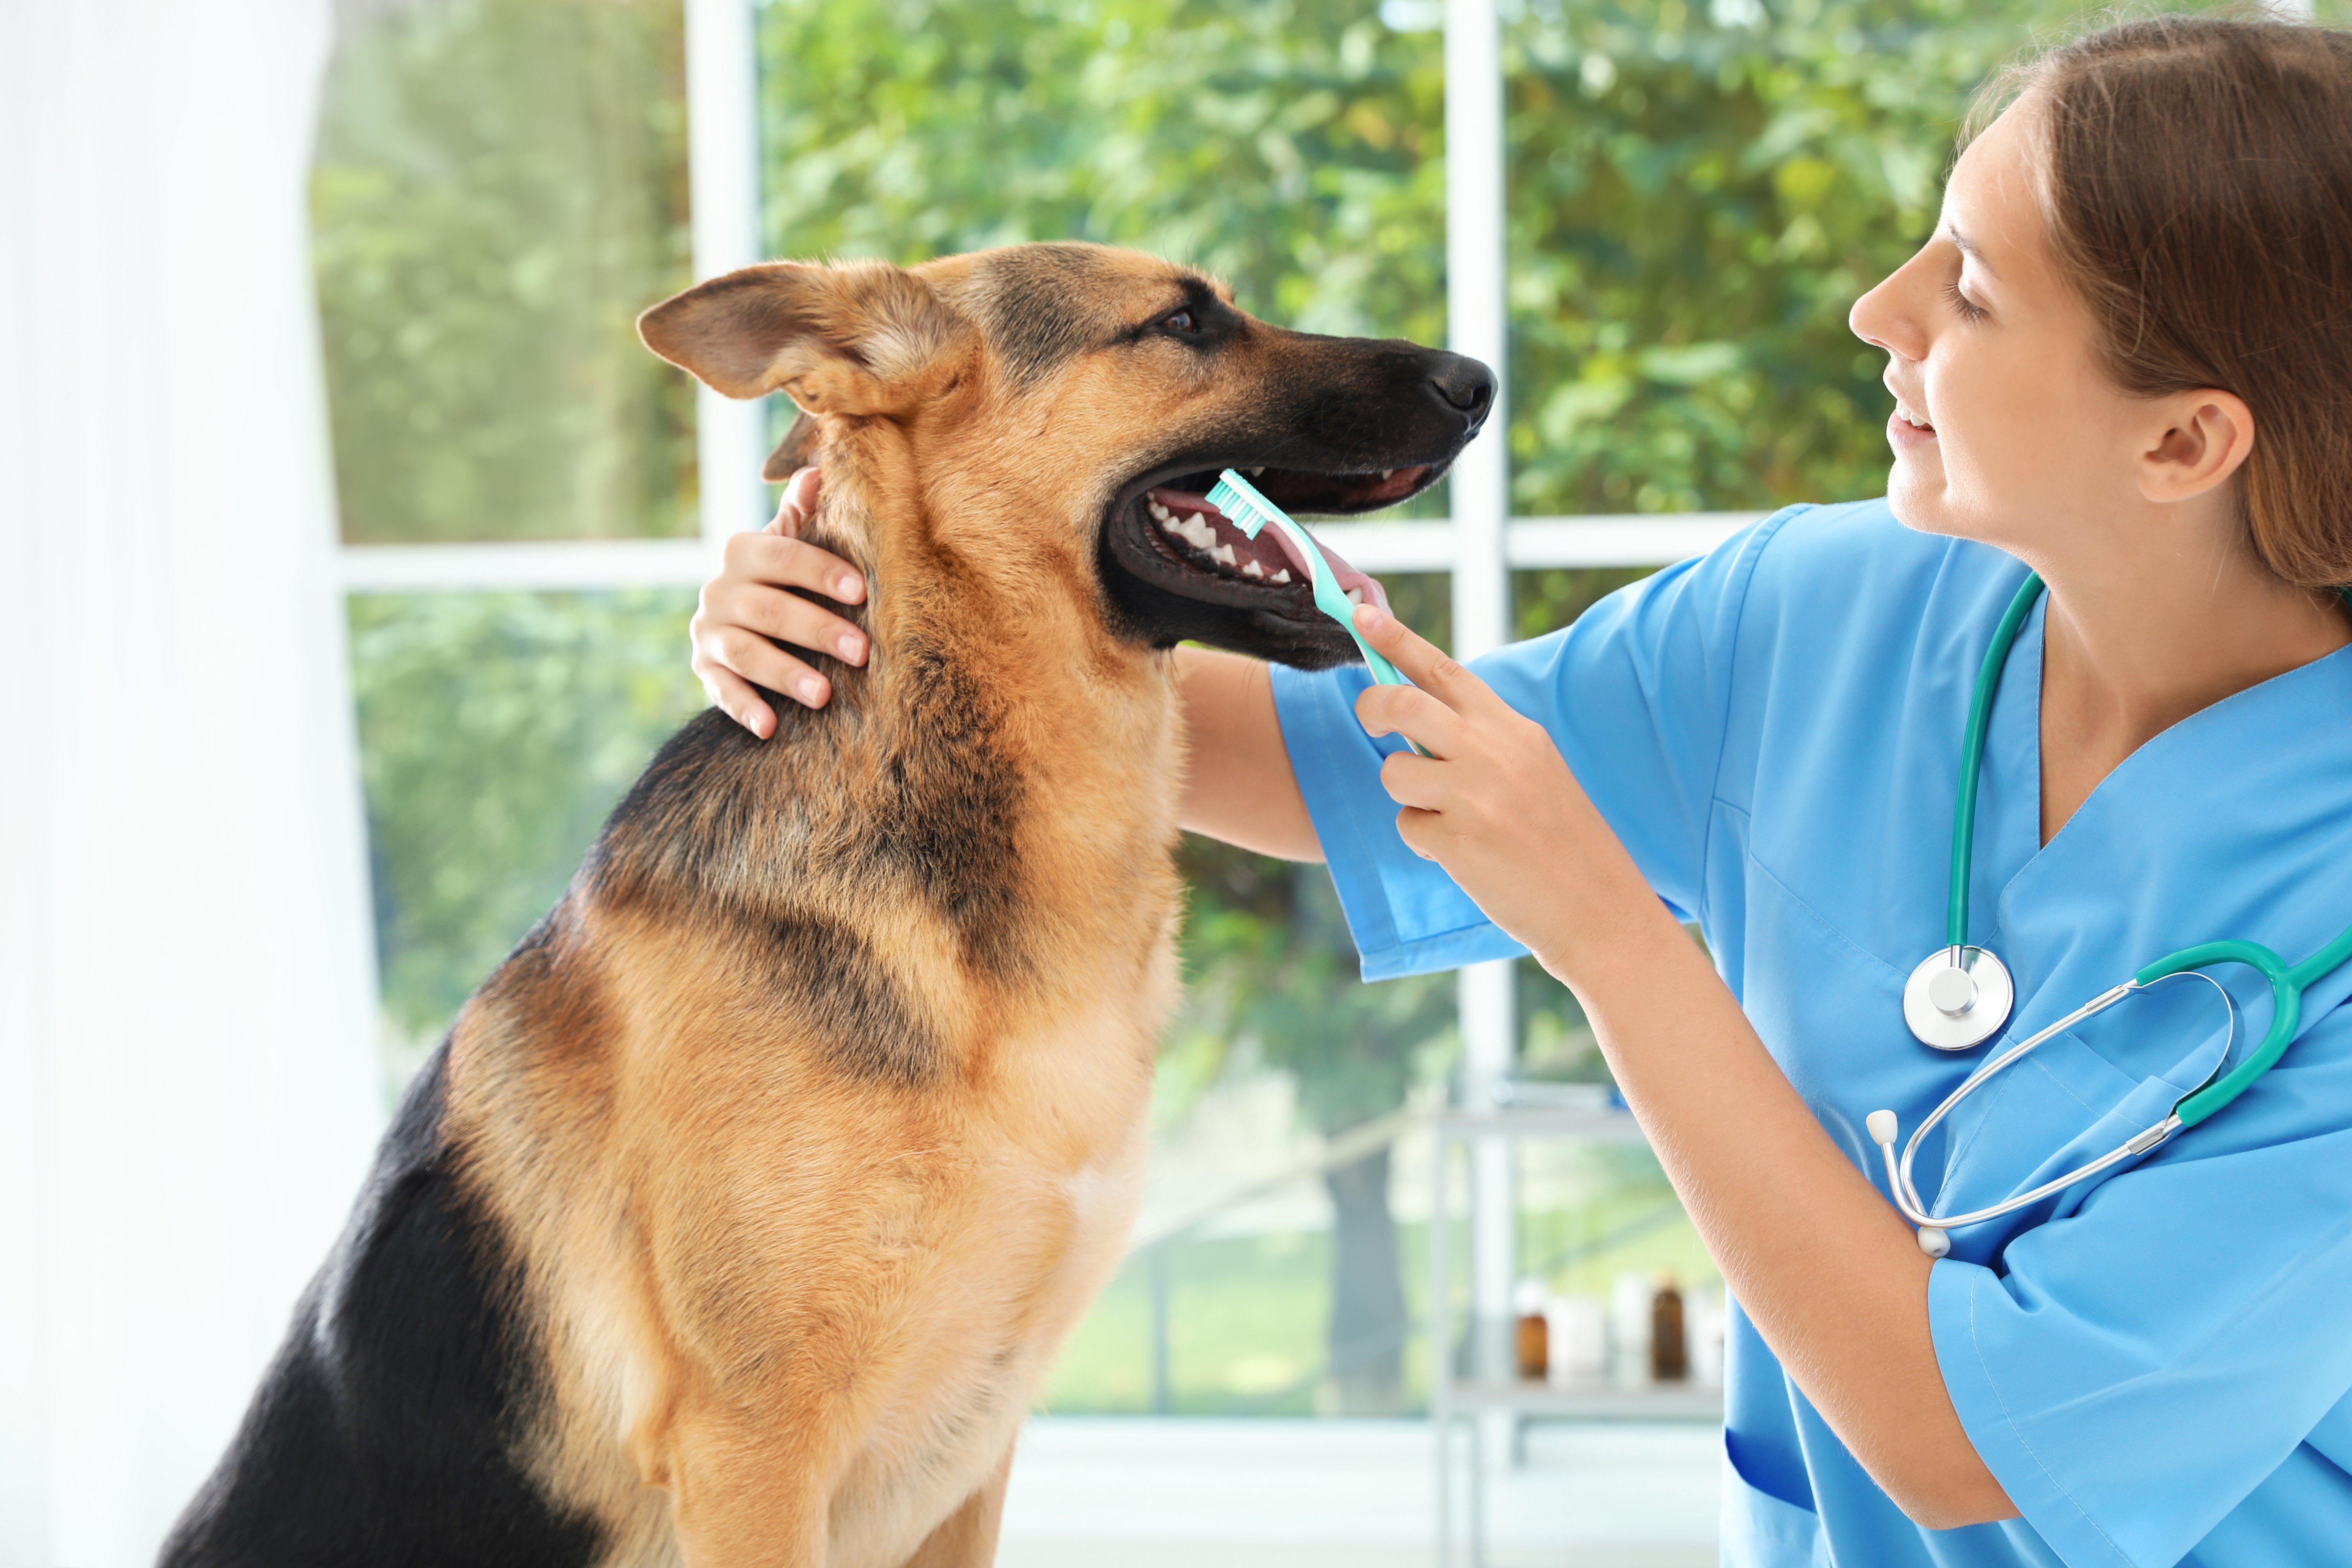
(1480, 544)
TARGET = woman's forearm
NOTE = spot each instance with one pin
(1830, 1276)
(1238, 786)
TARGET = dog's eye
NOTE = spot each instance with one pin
(1182, 321)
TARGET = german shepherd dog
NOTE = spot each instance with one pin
(744, 1208)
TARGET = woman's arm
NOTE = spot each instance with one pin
(1238, 786)
(1829, 1274)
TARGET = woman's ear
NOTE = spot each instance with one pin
(860, 338)
(2196, 440)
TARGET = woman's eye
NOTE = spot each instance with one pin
(1182, 321)
(1969, 308)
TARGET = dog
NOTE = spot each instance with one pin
(742, 1213)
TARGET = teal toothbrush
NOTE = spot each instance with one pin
(1247, 510)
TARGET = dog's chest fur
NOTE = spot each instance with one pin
(816, 1114)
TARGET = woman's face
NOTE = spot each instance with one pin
(2005, 431)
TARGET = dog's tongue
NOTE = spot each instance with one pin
(1346, 576)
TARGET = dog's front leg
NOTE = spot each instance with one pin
(746, 1492)
(967, 1537)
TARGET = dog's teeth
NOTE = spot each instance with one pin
(1257, 471)
(1282, 575)
(1385, 473)
(1160, 513)
(1252, 569)
(1193, 529)
(1355, 595)
(1222, 555)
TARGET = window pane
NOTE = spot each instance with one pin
(1293, 149)
(499, 188)
(1699, 192)
(496, 731)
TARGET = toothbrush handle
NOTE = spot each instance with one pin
(1386, 674)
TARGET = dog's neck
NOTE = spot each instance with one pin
(1029, 629)
(1010, 734)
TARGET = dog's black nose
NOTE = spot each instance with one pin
(1468, 386)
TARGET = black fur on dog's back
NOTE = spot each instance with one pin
(381, 1436)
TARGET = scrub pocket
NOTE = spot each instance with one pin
(1760, 1531)
(2071, 1101)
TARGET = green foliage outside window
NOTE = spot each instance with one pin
(499, 188)
(496, 731)
(1698, 193)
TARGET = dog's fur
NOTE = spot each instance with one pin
(740, 1216)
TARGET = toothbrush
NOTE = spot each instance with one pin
(1247, 510)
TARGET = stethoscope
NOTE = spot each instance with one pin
(1961, 995)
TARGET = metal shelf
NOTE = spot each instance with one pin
(1490, 1389)
(1587, 1401)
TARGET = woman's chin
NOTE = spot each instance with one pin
(1915, 494)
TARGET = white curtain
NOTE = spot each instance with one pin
(187, 1080)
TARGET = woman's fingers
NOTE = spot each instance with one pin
(797, 504)
(1406, 710)
(748, 604)
(733, 695)
(1425, 664)
(723, 648)
(787, 617)
(786, 562)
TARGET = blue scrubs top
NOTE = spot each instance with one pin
(2154, 1364)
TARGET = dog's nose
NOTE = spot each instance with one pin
(1466, 386)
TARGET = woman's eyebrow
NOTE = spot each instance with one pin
(1967, 248)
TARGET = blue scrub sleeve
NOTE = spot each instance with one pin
(1636, 693)
(2138, 1367)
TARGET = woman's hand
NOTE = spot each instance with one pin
(746, 605)
(1494, 803)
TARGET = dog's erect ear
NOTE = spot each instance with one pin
(860, 338)
(792, 453)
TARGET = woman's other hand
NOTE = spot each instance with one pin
(1494, 803)
(745, 611)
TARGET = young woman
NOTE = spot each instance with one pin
(2124, 362)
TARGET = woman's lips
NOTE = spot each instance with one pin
(1904, 436)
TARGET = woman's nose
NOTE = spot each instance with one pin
(1882, 320)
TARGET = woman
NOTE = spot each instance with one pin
(2123, 360)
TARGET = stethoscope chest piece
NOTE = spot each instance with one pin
(1959, 997)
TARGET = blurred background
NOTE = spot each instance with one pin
(511, 501)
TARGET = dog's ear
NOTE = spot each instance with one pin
(860, 338)
(792, 453)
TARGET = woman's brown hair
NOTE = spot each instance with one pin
(2198, 186)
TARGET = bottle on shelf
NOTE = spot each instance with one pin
(1576, 1331)
(1669, 1345)
(1532, 1339)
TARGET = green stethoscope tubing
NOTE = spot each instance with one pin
(2287, 982)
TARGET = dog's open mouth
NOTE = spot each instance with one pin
(1195, 535)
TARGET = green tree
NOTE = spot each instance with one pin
(496, 731)
(1270, 972)
(499, 188)
(1696, 196)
